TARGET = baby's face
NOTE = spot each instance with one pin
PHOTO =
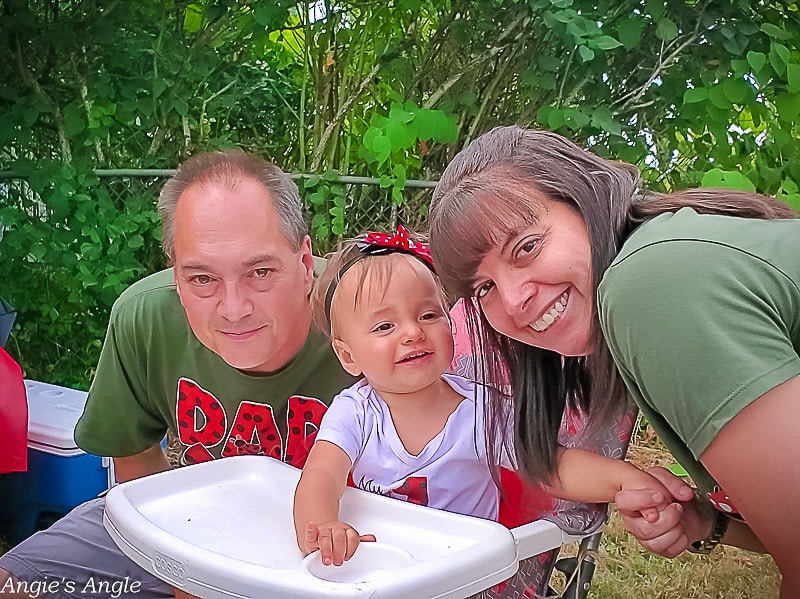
(398, 331)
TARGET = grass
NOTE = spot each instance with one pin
(625, 570)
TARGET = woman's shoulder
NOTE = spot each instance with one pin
(688, 232)
(685, 247)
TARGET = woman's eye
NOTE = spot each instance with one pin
(483, 289)
(528, 247)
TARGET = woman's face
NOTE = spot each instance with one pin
(535, 285)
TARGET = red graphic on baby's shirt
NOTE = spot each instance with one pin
(415, 488)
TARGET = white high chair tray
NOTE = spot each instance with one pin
(224, 529)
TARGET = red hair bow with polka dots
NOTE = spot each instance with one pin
(383, 243)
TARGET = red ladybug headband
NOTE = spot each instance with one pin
(375, 244)
(383, 243)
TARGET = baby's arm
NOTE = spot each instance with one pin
(316, 506)
(587, 477)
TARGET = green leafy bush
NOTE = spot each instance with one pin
(70, 244)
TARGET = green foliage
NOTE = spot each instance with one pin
(70, 244)
(695, 93)
(394, 145)
(326, 197)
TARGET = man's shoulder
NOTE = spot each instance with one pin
(156, 288)
(150, 305)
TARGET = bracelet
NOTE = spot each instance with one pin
(718, 530)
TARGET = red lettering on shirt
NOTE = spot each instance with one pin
(202, 424)
(254, 432)
(196, 454)
(302, 422)
(201, 420)
(415, 488)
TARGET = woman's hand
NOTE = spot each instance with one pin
(678, 525)
(336, 541)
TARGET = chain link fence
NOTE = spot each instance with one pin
(73, 242)
(368, 206)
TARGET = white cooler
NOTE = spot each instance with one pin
(60, 475)
(224, 529)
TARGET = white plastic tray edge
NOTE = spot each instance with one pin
(179, 572)
(528, 540)
(288, 586)
(540, 536)
(474, 587)
(143, 560)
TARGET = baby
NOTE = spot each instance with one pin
(409, 429)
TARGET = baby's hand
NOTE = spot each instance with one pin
(336, 541)
(660, 497)
(651, 513)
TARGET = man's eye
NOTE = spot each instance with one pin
(262, 273)
(483, 289)
(201, 280)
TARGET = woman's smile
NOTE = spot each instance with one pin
(552, 314)
(542, 296)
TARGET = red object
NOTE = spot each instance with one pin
(377, 243)
(522, 502)
(720, 500)
(13, 417)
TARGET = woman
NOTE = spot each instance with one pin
(694, 295)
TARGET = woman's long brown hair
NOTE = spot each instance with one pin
(491, 188)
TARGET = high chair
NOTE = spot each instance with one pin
(523, 503)
(169, 523)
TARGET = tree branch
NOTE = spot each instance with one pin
(214, 96)
(628, 100)
(320, 150)
(87, 105)
(58, 118)
(472, 65)
(489, 91)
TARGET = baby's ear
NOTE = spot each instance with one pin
(342, 351)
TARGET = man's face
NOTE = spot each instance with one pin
(244, 290)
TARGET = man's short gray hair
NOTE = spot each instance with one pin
(229, 168)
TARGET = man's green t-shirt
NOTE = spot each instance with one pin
(154, 375)
(702, 315)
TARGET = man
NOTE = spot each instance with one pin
(220, 349)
